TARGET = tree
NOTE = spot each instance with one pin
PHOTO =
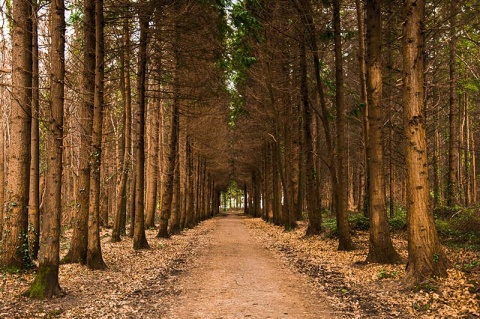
(314, 213)
(120, 208)
(46, 282)
(363, 101)
(426, 256)
(14, 246)
(79, 242)
(344, 238)
(139, 238)
(94, 251)
(380, 248)
(34, 188)
(452, 191)
(172, 150)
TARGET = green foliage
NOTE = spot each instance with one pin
(330, 225)
(239, 33)
(466, 227)
(357, 110)
(359, 222)
(444, 228)
(469, 266)
(399, 220)
(427, 286)
(384, 274)
(459, 228)
(421, 306)
(28, 263)
(76, 15)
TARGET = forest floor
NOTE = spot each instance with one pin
(238, 267)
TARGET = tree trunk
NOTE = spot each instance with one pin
(46, 282)
(344, 237)
(79, 242)
(363, 100)
(453, 117)
(466, 154)
(177, 217)
(34, 189)
(14, 246)
(426, 256)
(380, 248)
(152, 161)
(131, 203)
(2, 167)
(166, 205)
(313, 205)
(121, 192)
(94, 251)
(168, 186)
(139, 237)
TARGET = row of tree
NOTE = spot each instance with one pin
(309, 106)
(344, 100)
(124, 138)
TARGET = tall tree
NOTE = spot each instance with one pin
(34, 189)
(168, 187)
(344, 237)
(453, 189)
(46, 283)
(380, 248)
(139, 237)
(313, 203)
(305, 10)
(426, 256)
(94, 251)
(14, 245)
(363, 100)
(120, 209)
(79, 241)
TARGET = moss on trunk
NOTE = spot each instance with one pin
(45, 285)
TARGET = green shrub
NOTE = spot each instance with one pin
(359, 222)
(444, 228)
(330, 225)
(466, 226)
(399, 220)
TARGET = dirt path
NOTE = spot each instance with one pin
(236, 277)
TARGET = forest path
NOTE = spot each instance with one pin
(235, 277)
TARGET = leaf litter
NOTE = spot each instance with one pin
(142, 284)
(374, 290)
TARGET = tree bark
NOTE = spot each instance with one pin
(168, 187)
(313, 206)
(344, 237)
(14, 246)
(94, 251)
(34, 189)
(152, 160)
(363, 101)
(79, 242)
(46, 282)
(426, 256)
(453, 117)
(120, 208)
(139, 237)
(380, 248)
